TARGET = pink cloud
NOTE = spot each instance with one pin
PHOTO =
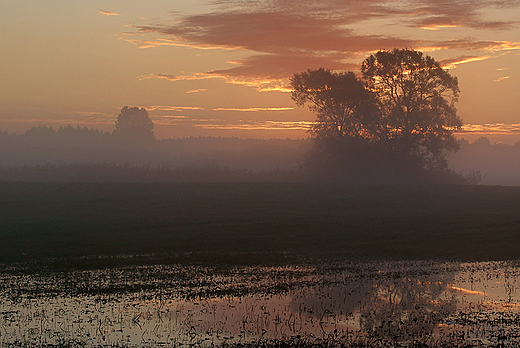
(287, 36)
(437, 14)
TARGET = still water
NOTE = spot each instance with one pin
(398, 303)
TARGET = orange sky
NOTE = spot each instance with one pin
(221, 68)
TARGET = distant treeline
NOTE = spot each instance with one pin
(83, 154)
(65, 145)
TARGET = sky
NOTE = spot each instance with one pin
(222, 68)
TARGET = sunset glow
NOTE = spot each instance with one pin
(78, 63)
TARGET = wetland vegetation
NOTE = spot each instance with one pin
(342, 304)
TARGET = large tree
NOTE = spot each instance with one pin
(347, 125)
(134, 123)
(416, 97)
(399, 117)
(345, 109)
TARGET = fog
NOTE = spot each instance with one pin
(496, 163)
(82, 154)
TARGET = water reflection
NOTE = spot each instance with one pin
(373, 304)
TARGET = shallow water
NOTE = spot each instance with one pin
(372, 303)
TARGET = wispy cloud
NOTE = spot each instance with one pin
(169, 119)
(196, 90)
(176, 42)
(197, 76)
(172, 108)
(470, 45)
(441, 14)
(108, 13)
(256, 125)
(501, 78)
(252, 109)
(258, 82)
(491, 128)
(436, 27)
(219, 124)
(453, 62)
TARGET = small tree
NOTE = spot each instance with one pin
(134, 124)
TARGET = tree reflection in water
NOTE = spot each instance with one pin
(407, 309)
(376, 304)
(386, 303)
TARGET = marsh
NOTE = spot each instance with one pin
(362, 304)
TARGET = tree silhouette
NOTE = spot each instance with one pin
(344, 108)
(396, 121)
(417, 101)
(347, 126)
(134, 124)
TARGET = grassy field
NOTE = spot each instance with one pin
(256, 222)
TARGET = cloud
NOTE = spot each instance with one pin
(441, 14)
(283, 37)
(219, 124)
(471, 45)
(172, 108)
(274, 32)
(108, 13)
(439, 26)
(279, 42)
(176, 42)
(196, 91)
(280, 66)
(252, 109)
(260, 83)
(169, 119)
(501, 78)
(173, 78)
(453, 62)
(491, 128)
(254, 125)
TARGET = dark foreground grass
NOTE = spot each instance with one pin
(256, 222)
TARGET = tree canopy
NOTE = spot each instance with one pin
(345, 108)
(397, 117)
(134, 123)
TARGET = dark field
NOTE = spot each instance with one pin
(256, 223)
(248, 265)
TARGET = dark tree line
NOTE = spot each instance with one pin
(394, 122)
